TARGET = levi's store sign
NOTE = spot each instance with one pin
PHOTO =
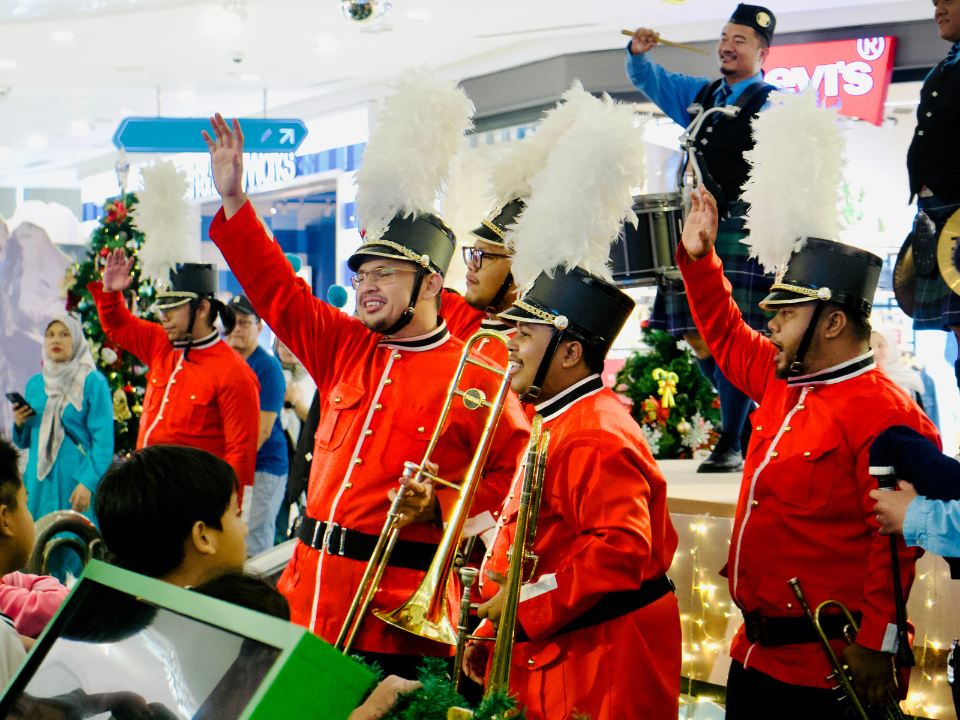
(850, 74)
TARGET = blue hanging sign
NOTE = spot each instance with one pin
(176, 135)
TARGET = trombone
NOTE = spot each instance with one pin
(426, 613)
(521, 552)
(841, 673)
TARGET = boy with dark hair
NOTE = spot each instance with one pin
(171, 513)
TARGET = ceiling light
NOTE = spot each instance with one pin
(79, 128)
(36, 142)
(186, 96)
(250, 78)
(418, 15)
(62, 36)
(227, 22)
(4, 152)
(327, 46)
(8, 64)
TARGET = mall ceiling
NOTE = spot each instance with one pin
(70, 70)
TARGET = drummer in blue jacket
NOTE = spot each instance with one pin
(743, 46)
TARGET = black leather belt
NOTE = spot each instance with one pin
(614, 605)
(359, 546)
(776, 631)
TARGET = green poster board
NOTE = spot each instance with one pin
(120, 637)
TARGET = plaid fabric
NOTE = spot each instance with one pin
(671, 312)
(938, 307)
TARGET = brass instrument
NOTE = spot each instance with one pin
(891, 708)
(426, 613)
(521, 552)
(84, 539)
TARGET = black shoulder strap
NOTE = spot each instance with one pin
(706, 92)
(758, 91)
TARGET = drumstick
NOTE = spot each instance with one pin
(671, 44)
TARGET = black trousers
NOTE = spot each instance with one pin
(753, 695)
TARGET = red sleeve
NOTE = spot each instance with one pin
(744, 355)
(311, 328)
(611, 519)
(31, 600)
(143, 339)
(462, 320)
(878, 607)
(239, 403)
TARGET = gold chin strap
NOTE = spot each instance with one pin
(409, 254)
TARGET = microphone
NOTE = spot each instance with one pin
(337, 296)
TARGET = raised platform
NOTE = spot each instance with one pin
(690, 493)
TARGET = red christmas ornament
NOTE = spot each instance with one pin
(117, 212)
(128, 389)
(104, 251)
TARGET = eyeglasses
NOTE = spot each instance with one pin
(474, 257)
(378, 277)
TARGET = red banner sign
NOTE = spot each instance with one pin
(853, 74)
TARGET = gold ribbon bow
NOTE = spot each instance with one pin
(667, 386)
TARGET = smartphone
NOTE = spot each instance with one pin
(18, 400)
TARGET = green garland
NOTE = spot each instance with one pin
(437, 696)
(695, 399)
(126, 374)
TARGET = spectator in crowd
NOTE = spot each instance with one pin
(16, 544)
(886, 351)
(273, 460)
(30, 601)
(931, 524)
(67, 423)
(186, 530)
(300, 417)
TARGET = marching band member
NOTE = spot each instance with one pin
(804, 509)
(598, 628)
(382, 377)
(721, 141)
(200, 393)
(490, 285)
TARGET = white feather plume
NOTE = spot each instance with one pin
(511, 175)
(580, 200)
(163, 216)
(796, 175)
(407, 161)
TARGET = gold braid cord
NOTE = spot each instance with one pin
(542, 314)
(403, 250)
(494, 229)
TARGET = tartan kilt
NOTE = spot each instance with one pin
(671, 311)
(938, 307)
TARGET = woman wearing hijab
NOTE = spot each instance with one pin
(70, 431)
(886, 350)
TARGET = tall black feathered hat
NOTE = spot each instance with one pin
(494, 228)
(405, 166)
(562, 239)
(190, 281)
(759, 18)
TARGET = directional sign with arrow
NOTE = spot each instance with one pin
(153, 134)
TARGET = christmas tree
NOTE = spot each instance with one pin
(127, 375)
(674, 403)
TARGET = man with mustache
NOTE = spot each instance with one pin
(805, 509)
(721, 141)
(200, 392)
(382, 377)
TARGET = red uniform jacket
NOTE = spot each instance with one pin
(380, 401)
(603, 527)
(804, 509)
(210, 402)
(463, 321)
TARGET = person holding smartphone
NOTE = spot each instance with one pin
(67, 423)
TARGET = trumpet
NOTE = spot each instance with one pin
(520, 553)
(426, 612)
(891, 708)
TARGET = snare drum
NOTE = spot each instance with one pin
(646, 255)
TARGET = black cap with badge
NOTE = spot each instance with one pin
(757, 17)
(190, 281)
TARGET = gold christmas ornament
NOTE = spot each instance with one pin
(121, 411)
(137, 409)
(666, 386)
(683, 427)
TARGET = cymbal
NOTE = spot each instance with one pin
(947, 252)
(905, 278)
